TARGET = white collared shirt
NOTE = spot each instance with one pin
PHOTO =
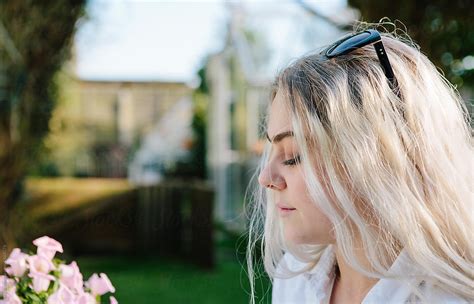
(315, 285)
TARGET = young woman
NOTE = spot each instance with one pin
(366, 181)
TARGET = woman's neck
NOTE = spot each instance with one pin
(351, 286)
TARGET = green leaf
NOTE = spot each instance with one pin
(34, 298)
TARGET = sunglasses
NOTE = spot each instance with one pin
(352, 42)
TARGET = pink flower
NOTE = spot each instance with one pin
(40, 281)
(100, 285)
(11, 297)
(62, 296)
(47, 247)
(86, 298)
(71, 276)
(17, 262)
(3, 283)
(40, 272)
(39, 263)
(6, 285)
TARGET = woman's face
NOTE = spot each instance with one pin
(302, 220)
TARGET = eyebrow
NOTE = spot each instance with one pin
(279, 137)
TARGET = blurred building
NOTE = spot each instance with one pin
(260, 41)
(119, 114)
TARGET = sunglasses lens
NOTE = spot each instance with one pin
(349, 43)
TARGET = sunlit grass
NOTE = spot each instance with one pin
(51, 196)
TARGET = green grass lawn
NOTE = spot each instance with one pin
(160, 280)
(166, 280)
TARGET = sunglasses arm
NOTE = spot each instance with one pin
(383, 58)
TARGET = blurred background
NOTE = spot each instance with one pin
(130, 131)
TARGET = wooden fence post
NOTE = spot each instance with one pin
(202, 240)
(175, 218)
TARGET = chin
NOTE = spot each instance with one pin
(296, 238)
(299, 238)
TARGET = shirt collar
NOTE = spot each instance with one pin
(397, 290)
(322, 275)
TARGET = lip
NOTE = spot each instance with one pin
(285, 209)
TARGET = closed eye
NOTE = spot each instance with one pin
(293, 161)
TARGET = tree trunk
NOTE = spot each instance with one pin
(7, 239)
(35, 39)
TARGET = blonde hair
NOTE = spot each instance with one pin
(396, 169)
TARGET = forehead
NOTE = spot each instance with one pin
(279, 116)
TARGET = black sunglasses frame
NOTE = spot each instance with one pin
(357, 42)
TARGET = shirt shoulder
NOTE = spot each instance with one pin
(406, 289)
(435, 294)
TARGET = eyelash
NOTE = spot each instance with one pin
(293, 161)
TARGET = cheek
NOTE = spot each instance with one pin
(309, 225)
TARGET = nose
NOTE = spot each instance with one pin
(270, 178)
